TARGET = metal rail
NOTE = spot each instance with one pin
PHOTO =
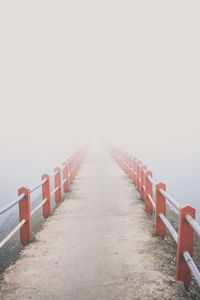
(4, 241)
(170, 199)
(74, 163)
(38, 206)
(169, 227)
(151, 199)
(65, 180)
(38, 186)
(193, 223)
(55, 190)
(193, 268)
(11, 204)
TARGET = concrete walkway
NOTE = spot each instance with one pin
(98, 244)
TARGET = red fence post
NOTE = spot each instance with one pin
(185, 243)
(160, 209)
(25, 214)
(148, 191)
(142, 192)
(46, 194)
(129, 166)
(134, 169)
(65, 176)
(58, 193)
(138, 183)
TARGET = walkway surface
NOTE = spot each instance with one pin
(98, 244)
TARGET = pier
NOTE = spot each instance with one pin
(99, 242)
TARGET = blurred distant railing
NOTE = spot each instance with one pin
(63, 177)
(147, 187)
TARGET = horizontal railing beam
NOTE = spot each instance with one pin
(169, 227)
(10, 235)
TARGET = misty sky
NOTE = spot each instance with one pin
(74, 70)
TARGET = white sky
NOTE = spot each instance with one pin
(126, 70)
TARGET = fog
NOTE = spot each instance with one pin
(71, 71)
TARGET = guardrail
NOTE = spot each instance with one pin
(155, 196)
(63, 178)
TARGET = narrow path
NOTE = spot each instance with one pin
(99, 244)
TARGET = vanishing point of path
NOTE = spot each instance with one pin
(98, 244)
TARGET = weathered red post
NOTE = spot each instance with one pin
(25, 214)
(46, 194)
(142, 192)
(65, 176)
(160, 209)
(185, 243)
(148, 191)
(58, 193)
(138, 171)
